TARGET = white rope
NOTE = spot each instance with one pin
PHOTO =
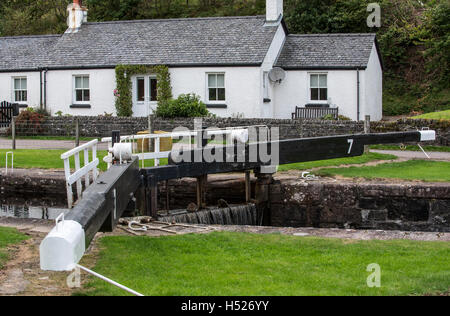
(109, 281)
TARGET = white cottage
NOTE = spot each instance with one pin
(228, 61)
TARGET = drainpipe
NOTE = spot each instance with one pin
(45, 89)
(40, 85)
(358, 97)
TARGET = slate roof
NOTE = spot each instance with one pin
(25, 52)
(173, 42)
(326, 51)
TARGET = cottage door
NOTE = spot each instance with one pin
(144, 96)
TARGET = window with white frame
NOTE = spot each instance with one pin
(20, 90)
(319, 87)
(82, 93)
(216, 87)
(143, 94)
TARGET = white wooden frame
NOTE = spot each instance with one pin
(80, 172)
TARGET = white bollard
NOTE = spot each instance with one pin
(63, 247)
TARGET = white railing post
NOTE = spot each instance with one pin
(80, 172)
(157, 150)
(12, 161)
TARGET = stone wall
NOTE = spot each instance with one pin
(370, 205)
(101, 126)
(442, 128)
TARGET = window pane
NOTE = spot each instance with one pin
(24, 84)
(153, 90)
(78, 84)
(86, 82)
(86, 95)
(17, 96)
(323, 81)
(314, 94)
(79, 95)
(16, 84)
(221, 81)
(213, 94)
(140, 89)
(24, 96)
(212, 81)
(323, 94)
(221, 94)
(314, 81)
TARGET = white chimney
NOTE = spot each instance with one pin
(274, 9)
(77, 16)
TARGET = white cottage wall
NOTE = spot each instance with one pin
(241, 84)
(33, 83)
(60, 94)
(373, 96)
(295, 91)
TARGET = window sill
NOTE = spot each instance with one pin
(266, 100)
(23, 106)
(80, 106)
(217, 106)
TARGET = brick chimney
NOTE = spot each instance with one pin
(274, 9)
(77, 16)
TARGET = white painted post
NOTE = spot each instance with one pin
(94, 156)
(69, 186)
(78, 167)
(86, 162)
(157, 150)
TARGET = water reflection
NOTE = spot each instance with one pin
(33, 212)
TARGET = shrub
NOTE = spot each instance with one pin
(30, 123)
(186, 105)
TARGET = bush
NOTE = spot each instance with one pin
(186, 105)
(30, 123)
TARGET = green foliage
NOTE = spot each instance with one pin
(124, 94)
(186, 105)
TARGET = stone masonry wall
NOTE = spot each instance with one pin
(369, 205)
(101, 126)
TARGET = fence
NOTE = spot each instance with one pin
(7, 112)
(77, 176)
(315, 113)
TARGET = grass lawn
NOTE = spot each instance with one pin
(51, 159)
(424, 170)
(337, 162)
(8, 236)
(412, 148)
(239, 264)
(442, 115)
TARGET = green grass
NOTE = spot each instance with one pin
(423, 170)
(239, 264)
(51, 159)
(8, 236)
(337, 162)
(442, 115)
(412, 148)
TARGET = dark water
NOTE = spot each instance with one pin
(33, 208)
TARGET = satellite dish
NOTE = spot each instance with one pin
(277, 74)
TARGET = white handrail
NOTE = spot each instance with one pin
(157, 155)
(80, 172)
